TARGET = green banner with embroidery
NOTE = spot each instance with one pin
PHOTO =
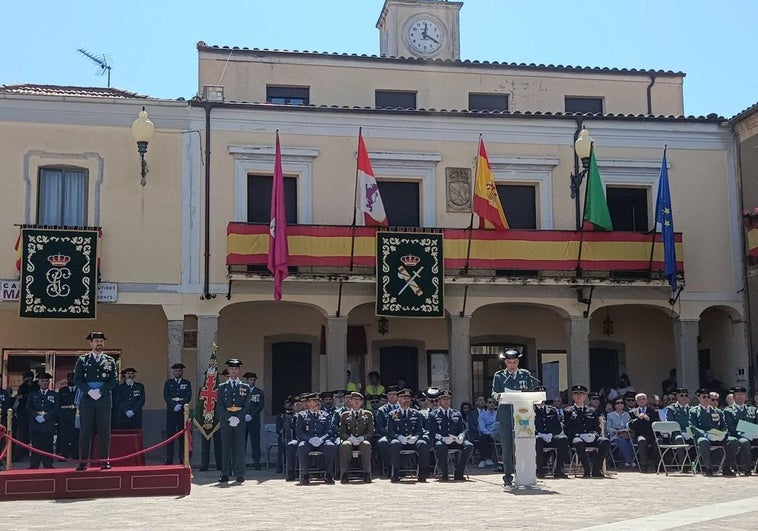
(409, 274)
(58, 273)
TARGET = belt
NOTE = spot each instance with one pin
(41, 412)
(68, 407)
(178, 399)
(234, 409)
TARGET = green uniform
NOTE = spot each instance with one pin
(732, 415)
(703, 419)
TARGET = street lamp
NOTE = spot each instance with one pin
(142, 132)
(582, 147)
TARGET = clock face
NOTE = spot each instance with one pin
(424, 36)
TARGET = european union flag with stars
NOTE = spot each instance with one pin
(665, 218)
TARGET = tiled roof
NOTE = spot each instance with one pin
(63, 90)
(711, 118)
(745, 113)
(201, 46)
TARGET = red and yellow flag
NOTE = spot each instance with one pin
(486, 201)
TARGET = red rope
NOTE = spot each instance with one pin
(4, 435)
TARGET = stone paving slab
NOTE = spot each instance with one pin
(266, 501)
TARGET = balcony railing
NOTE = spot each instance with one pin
(325, 248)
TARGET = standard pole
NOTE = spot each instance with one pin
(186, 437)
(355, 203)
(8, 445)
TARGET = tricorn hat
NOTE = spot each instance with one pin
(95, 335)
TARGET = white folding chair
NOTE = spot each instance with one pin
(664, 440)
(270, 440)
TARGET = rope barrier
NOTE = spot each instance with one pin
(4, 435)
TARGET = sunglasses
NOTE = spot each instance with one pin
(683, 394)
(618, 403)
(490, 401)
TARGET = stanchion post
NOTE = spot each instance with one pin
(186, 437)
(8, 445)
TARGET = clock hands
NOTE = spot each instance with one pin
(425, 35)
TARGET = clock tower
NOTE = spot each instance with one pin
(420, 28)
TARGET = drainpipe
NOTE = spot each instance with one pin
(206, 282)
(650, 94)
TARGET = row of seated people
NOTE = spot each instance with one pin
(386, 433)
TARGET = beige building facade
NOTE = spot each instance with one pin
(166, 245)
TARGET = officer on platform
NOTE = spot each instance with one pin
(95, 378)
(42, 406)
(233, 408)
(505, 380)
(449, 432)
(130, 399)
(549, 431)
(21, 421)
(254, 426)
(68, 433)
(177, 391)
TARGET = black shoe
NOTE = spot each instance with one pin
(33, 468)
(458, 477)
(367, 478)
(587, 474)
(257, 466)
(105, 466)
(748, 472)
(203, 469)
(223, 479)
(444, 478)
(421, 479)
(597, 473)
(540, 473)
(168, 462)
(81, 468)
(305, 481)
(279, 470)
(344, 479)
(728, 472)
(395, 479)
(560, 474)
(291, 477)
(240, 479)
(329, 480)
(708, 472)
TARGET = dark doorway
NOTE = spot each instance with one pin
(628, 208)
(290, 371)
(604, 368)
(704, 363)
(399, 362)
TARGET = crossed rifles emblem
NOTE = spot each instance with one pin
(408, 262)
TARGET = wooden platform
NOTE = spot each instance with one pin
(61, 483)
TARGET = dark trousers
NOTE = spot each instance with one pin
(94, 420)
(329, 450)
(442, 450)
(233, 450)
(646, 450)
(383, 451)
(505, 418)
(486, 446)
(42, 441)
(730, 444)
(174, 424)
(603, 446)
(291, 456)
(21, 432)
(126, 423)
(560, 442)
(68, 436)
(205, 451)
(254, 434)
(346, 455)
(422, 449)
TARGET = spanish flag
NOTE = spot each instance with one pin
(486, 201)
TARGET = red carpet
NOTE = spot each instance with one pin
(58, 483)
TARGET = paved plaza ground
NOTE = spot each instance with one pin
(628, 500)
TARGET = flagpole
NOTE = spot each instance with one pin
(355, 202)
(655, 227)
(471, 221)
(584, 210)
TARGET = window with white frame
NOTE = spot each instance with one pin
(525, 188)
(62, 196)
(631, 187)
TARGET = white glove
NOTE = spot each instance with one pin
(315, 441)
(234, 421)
(547, 437)
(411, 439)
(177, 408)
(248, 417)
(401, 438)
(686, 436)
(587, 437)
(129, 413)
(40, 418)
(714, 438)
(359, 440)
(460, 438)
(94, 394)
(449, 439)
(77, 422)
(438, 436)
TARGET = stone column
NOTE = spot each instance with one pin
(336, 352)
(175, 343)
(686, 353)
(577, 332)
(459, 358)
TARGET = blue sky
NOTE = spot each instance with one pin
(152, 43)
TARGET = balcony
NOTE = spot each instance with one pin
(322, 252)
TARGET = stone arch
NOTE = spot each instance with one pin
(722, 346)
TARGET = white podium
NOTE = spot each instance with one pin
(523, 435)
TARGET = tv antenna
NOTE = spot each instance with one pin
(102, 61)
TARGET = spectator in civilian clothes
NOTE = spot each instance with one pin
(487, 419)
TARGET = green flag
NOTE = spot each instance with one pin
(206, 419)
(595, 206)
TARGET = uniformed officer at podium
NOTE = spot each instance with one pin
(505, 380)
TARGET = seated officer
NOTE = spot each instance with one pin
(679, 412)
(706, 417)
(449, 431)
(381, 418)
(290, 438)
(356, 430)
(549, 430)
(732, 415)
(582, 426)
(315, 431)
(405, 431)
